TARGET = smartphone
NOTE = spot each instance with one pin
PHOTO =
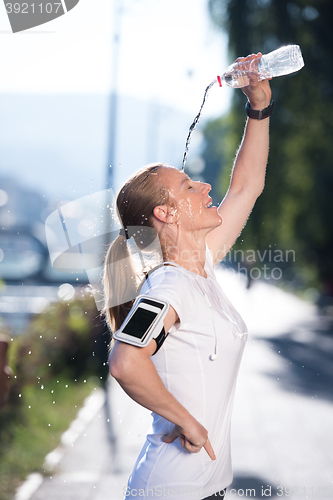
(144, 322)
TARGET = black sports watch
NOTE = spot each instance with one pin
(259, 114)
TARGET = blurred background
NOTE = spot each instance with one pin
(87, 99)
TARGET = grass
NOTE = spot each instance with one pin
(34, 429)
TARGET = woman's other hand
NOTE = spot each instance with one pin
(192, 438)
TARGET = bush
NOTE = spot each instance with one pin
(68, 338)
(59, 351)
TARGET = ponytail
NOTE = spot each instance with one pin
(120, 283)
(135, 203)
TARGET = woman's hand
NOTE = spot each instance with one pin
(258, 92)
(192, 438)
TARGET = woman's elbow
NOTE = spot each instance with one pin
(259, 189)
(117, 365)
(118, 370)
(114, 368)
(121, 361)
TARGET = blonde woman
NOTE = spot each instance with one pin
(189, 382)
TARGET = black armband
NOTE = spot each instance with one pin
(159, 340)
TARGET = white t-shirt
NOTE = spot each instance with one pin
(204, 387)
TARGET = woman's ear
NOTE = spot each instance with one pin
(165, 214)
(161, 213)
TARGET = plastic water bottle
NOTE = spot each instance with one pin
(280, 62)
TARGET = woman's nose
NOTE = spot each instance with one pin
(206, 187)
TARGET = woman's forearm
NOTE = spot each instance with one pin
(250, 165)
(251, 160)
(137, 375)
(143, 384)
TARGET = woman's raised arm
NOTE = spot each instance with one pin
(248, 175)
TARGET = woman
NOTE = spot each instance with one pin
(189, 383)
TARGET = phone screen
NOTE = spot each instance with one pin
(139, 322)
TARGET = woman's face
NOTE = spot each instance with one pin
(191, 199)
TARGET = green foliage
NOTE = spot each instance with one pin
(67, 338)
(34, 429)
(55, 362)
(295, 209)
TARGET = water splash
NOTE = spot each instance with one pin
(195, 121)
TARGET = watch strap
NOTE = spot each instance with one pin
(259, 114)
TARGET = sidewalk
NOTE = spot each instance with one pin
(282, 438)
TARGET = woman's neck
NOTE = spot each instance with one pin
(188, 253)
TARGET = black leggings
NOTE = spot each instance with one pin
(219, 494)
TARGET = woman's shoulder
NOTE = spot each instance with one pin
(172, 284)
(167, 275)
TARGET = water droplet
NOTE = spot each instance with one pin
(42, 387)
(20, 395)
(66, 291)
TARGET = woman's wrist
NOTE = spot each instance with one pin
(259, 114)
(187, 422)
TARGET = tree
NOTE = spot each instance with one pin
(295, 209)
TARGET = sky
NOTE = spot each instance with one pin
(56, 80)
(168, 51)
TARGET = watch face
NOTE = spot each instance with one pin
(139, 323)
